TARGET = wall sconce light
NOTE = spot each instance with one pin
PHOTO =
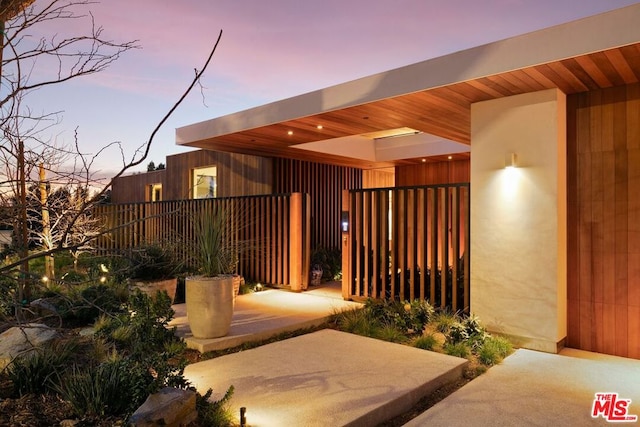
(510, 160)
(344, 221)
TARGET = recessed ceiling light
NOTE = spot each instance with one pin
(290, 133)
(319, 127)
(424, 160)
(450, 157)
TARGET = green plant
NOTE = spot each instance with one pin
(39, 370)
(494, 350)
(85, 303)
(425, 342)
(112, 388)
(390, 332)
(8, 295)
(410, 317)
(443, 320)
(459, 349)
(457, 333)
(356, 321)
(154, 262)
(214, 252)
(217, 413)
(143, 336)
(330, 260)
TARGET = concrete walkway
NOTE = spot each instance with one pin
(330, 378)
(538, 389)
(260, 315)
(324, 379)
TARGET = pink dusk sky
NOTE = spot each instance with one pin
(270, 50)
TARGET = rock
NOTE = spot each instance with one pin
(23, 339)
(69, 423)
(88, 331)
(171, 407)
(43, 306)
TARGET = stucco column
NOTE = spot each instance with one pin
(518, 217)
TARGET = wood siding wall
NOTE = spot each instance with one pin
(409, 243)
(237, 175)
(134, 188)
(379, 178)
(324, 184)
(433, 173)
(264, 228)
(603, 136)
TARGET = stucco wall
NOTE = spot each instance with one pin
(518, 217)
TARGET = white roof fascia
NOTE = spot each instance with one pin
(604, 31)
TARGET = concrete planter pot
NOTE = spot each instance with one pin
(210, 302)
(152, 286)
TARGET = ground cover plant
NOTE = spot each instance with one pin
(115, 347)
(418, 324)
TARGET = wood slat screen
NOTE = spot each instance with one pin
(258, 225)
(324, 184)
(411, 243)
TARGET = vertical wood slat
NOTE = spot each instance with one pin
(366, 243)
(426, 256)
(384, 227)
(455, 246)
(324, 183)
(358, 233)
(443, 240)
(433, 245)
(259, 223)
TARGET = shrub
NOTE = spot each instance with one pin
(142, 335)
(443, 321)
(458, 349)
(494, 350)
(215, 413)
(39, 370)
(356, 321)
(467, 330)
(8, 295)
(88, 302)
(330, 260)
(410, 317)
(426, 342)
(154, 262)
(390, 332)
(112, 388)
(420, 313)
(457, 333)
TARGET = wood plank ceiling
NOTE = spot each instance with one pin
(442, 111)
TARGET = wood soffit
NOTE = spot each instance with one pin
(442, 111)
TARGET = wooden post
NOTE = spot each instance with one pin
(295, 242)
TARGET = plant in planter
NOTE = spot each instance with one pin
(154, 268)
(210, 296)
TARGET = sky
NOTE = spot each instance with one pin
(270, 50)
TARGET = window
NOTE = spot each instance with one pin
(204, 182)
(154, 193)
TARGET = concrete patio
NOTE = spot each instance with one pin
(261, 315)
